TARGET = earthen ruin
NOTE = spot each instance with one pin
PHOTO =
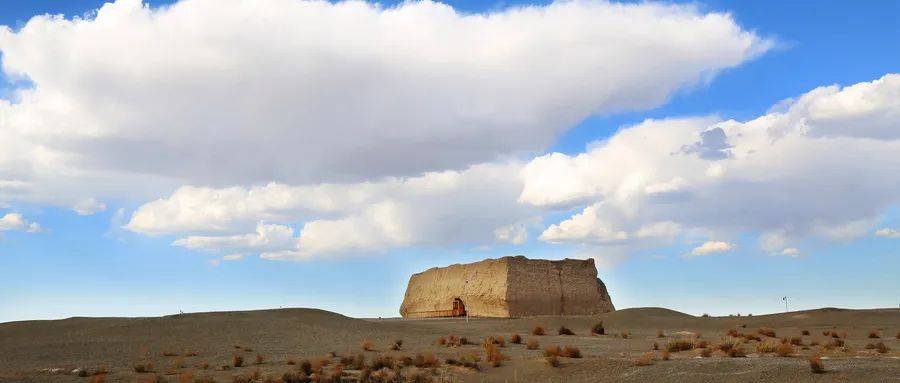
(507, 287)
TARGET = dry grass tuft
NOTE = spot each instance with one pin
(797, 341)
(552, 351)
(625, 334)
(493, 355)
(260, 359)
(143, 367)
(440, 341)
(706, 352)
(382, 361)
(736, 352)
(750, 337)
(169, 353)
(516, 339)
(643, 360)
(552, 360)
(563, 330)
(397, 345)
(655, 346)
(294, 377)
(237, 360)
(368, 345)
(769, 332)
(880, 347)
(305, 366)
(660, 334)
(873, 335)
(538, 331)
(682, 344)
(97, 379)
(805, 332)
(532, 344)
(570, 352)
(767, 346)
(598, 329)
(815, 364)
(784, 350)
(664, 354)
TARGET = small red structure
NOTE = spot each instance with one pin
(459, 309)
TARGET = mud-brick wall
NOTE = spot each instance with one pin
(435, 289)
(544, 287)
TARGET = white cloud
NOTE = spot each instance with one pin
(16, 222)
(222, 92)
(515, 234)
(711, 247)
(266, 237)
(887, 233)
(792, 252)
(774, 175)
(89, 206)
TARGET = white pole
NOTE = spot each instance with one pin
(785, 303)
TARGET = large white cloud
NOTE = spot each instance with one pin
(823, 165)
(232, 92)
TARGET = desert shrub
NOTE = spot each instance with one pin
(97, 379)
(655, 346)
(729, 343)
(493, 355)
(382, 361)
(682, 344)
(835, 343)
(814, 343)
(563, 330)
(318, 363)
(516, 339)
(260, 359)
(383, 375)
(701, 344)
(552, 350)
(552, 360)
(143, 367)
(294, 377)
(797, 341)
(769, 332)
(644, 360)
(440, 341)
(898, 335)
(426, 360)
(237, 360)
(452, 341)
(598, 329)
(736, 352)
(537, 330)
(336, 373)
(880, 347)
(784, 350)
(732, 332)
(665, 355)
(209, 379)
(804, 332)
(416, 375)
(826, 333)
(394, 347)
(203, 365)
(767, 346)
(291, 362)
(815, 364)
(240, 379)
(570, 352)
(152, 379)
(749, 337)
(532, 344)
(625, 334)
(367, 345)
(255, 375)
(305, 366)
(660, 334)
(706, 353)
(500, 341)
(169, 353)
(873, 334)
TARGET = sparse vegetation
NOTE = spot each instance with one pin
(664, 355)
(440, 341)
(237, 361)
(815, 364)
(169, 353)
(655, 346)
(598, 329)
(493, 354)
(766, 347)
(260, 359)
(644, 360)
(797, 341)
(767, 331)
(873, 334)
(563, 330)
(880, 347)
(660, 334)
(570, 352)
(552, 350)
(368, 345)
(705, 352)
(625, 334)
(306, 366)
(143, 367)
(683, 344)
(515, 339)
(537, 331)
(532, 344)
(736, 352)
(784, 350)
(552, 360)
(397, 345)
(294, 377)
(804, 332)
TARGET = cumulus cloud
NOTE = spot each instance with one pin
(788, 174)
(16, 222)
(89, 206)
(711, 247)
(222, 92)
(887, 233)
(441, 208)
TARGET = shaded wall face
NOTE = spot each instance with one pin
(568, 287)
(431, 293)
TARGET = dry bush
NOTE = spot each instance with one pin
(660, 334)
(186, 377)
(454, 341)
(426, 360)
(382, 361)
(143, 367)
(240, 379)
(767, 346)
(797, 341)
(203, 365)
(305, 366)
(291, 362)
(237, 360)
(705, 315)
(598, 329)
(336, 373)
(784, 350)
(815, 364)
(538, 331)
(367, 345)
(898, 335)
(736, 352)
(880, 347)
(701, 344)
(152, 379)
(383, 375)
(294, 377)
(749, 337)
(320, 362)
(705, 352)
(563, 330)
(205, 379)
(440, 341)
(552, 360)
(804, 332)
(260, 359)
(255, 375)
(532, 344)
(873, 334)
(191, 353)
(493, 355)
(733, 333)
(169, 353)
(625, 334)
(552, 350)
(655, 346)
(643, 360)
(814, 343)
(834, 343)
(570, 352)
(682, 344)
(767, 331)
(826, 333)
(664, 354)
(516, 339)
(97, 379)
(500, 341)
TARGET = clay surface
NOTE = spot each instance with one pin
(508, 287)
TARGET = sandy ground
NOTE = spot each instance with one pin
(29, 350)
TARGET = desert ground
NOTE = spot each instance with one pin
(201, 347)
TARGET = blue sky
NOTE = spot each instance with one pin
(91, 265)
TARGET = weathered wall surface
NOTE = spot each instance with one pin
(509, 287)
(434, 289)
